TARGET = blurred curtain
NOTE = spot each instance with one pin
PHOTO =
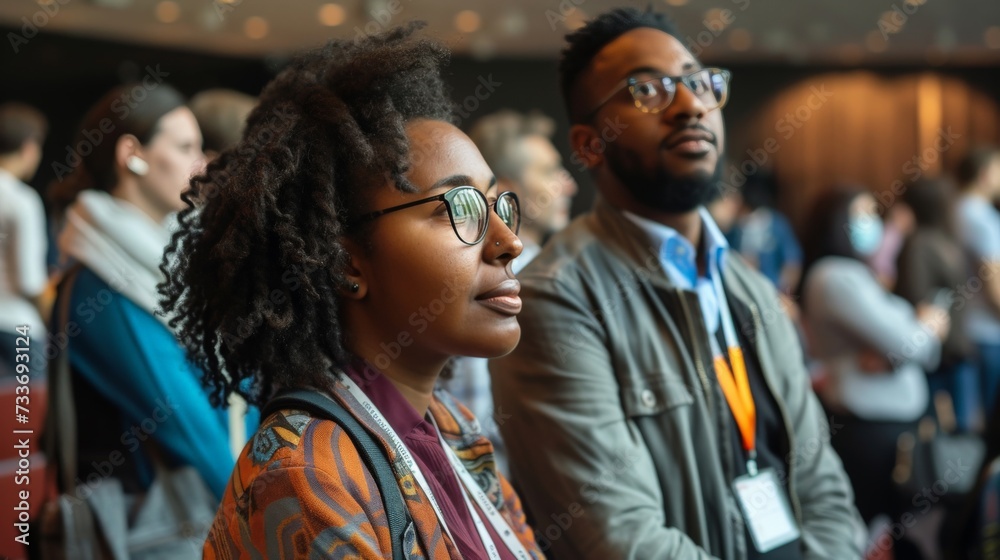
(864, 129)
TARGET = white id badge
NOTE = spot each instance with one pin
(766, 510)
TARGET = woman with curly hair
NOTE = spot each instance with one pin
(351, 244)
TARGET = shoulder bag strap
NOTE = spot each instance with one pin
(60, 422)
(371, 452)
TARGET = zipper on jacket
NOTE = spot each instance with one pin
(696, 353)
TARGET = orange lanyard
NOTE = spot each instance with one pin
(735, 382)
(736, 387)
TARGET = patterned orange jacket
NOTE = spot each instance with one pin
(301, 490)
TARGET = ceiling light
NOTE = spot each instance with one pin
(718, 19)
(168, 11)
(256, 27)
(331, 15)
(992, 37)
(888, 22)
(211, 16)
(467, 21)
(740, 39)
(876, 42)
(514, 23)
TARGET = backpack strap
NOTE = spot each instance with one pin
(372, 453)
(59, 436)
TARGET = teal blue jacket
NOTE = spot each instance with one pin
(131, 360)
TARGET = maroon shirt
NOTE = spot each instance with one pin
(421, 439)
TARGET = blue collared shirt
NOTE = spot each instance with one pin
(678, 258)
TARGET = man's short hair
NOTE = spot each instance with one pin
(973, 164)
(222, 116)
(584, 44)
(499, 137)
(20, 123)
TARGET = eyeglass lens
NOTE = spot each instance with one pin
(709, 85)
(470, 213)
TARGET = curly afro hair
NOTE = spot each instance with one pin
(254, 273)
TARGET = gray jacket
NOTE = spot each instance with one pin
(619, 436)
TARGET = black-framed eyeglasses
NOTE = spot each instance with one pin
(468, 210)
(653, 93)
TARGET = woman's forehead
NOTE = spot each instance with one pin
(439, 150)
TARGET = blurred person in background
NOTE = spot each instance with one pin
(764, 236)
(519, 150)
(932, 265)
(978, 225)
(125, 361)
(222, 117)
(23, 241)
(970, 532)
(874, 346)
(726, 209)
(898, 224)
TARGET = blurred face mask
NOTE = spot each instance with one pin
(865, 233)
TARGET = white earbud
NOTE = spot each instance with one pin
(137, 165)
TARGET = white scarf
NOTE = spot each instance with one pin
(124, 246)
(119, 243)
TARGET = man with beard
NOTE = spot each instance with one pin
(657, 405)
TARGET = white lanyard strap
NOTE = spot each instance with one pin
(726, 318)
(500, 525)
(484, 535)
(401, 449)
(729, 333)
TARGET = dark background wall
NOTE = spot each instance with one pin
(63, 75)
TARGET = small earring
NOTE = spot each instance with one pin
(355, 287)
(498, 243)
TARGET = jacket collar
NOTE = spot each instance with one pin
(625, 237)
(678, 255)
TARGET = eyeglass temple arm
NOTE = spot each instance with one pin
(622, 84)
(377, 213)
